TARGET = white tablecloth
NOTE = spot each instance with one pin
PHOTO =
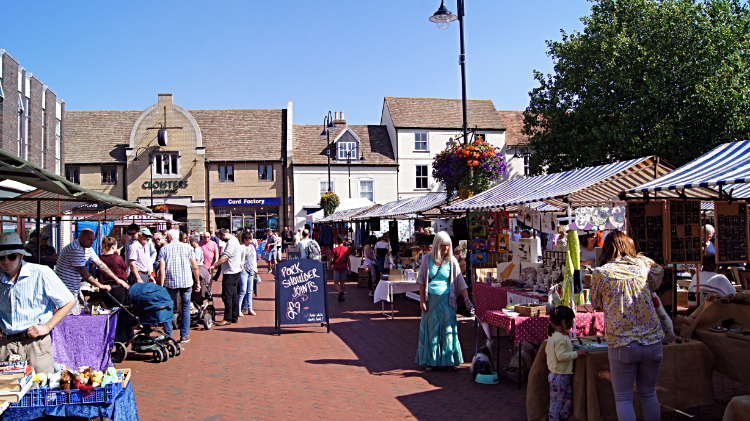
(386, 289)
(355, 261)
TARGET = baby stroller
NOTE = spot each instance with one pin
(151, 306)
(202, 310)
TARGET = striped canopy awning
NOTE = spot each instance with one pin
(379, 212)
(48, 206)
(726, 164)
(420, 204)
(344, 215)
(594, 184)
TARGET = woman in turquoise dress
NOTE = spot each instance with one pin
(440, 283)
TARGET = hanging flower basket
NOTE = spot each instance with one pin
(161, 209)
(469, 168)
(329, 202)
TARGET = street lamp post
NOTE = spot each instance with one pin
(443, 18)
(349, 167)
(151, 167)
(328, 127)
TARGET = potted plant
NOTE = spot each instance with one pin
(329, 202)
(469, 168)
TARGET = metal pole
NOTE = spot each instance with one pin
(462, 62)
(349, 169)
(328, 152)
(38, 232)
(151, 186)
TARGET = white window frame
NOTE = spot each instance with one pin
(320, 187)
(265, 169)
(171, 174)
(416, 176)
(526, 168)
(226, 176)
(426, 141)
(372, 191)
(343, 147)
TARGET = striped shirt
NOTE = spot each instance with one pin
(178, 271)
(32, 299)
(251, 261)
(71, 257)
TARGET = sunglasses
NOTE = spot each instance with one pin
(11, 257)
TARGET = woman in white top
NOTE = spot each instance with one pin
(371, 262)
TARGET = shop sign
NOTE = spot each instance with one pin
(247, 201)
(195, 224)
(163, 187)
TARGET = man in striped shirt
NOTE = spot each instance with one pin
(178, 272)
(29, 295)
(71, 265)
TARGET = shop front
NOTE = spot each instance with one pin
(251, 213)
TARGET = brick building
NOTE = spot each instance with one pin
(32, 118)
(217, 168)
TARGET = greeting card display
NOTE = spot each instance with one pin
(646, 227)
(503, 220)
(491, 222)
(731, 233)
(503, 243)
(478, 258)
(684, 230)
(492, 240)
(477, 224)
(478, 244)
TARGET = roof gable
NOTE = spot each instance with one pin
(514, 128)
(435, 113)
(374, 144)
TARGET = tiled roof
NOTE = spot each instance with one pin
(93, 137)
(231, 135)
(309, 148)
(514, 125)
(234, 135)
(433, 113)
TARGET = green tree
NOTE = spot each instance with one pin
(646, 77)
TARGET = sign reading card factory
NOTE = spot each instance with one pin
(163, 187)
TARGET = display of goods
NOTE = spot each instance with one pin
(531, 310)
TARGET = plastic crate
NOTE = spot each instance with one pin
(33, 398)
(74, 397)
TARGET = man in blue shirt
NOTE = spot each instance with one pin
(29, 295)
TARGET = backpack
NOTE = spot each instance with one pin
(312, 250)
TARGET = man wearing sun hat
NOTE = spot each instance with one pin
(48, 253)
(29, 295)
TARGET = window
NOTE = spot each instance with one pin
(344, 147)
(57, 147)
(226, 173)
(420, 141)
(366, 189)
(324, 186)
(422, 181)
(265, 172)
(526, 171)
(166, 164)
(109, 175)
(72, 174)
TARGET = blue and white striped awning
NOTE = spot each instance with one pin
(544, 207)
(557, 185)
(725, 164)
(420, 204)
(379, 212)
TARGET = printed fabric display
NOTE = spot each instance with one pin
(445, 225)
(600, 217)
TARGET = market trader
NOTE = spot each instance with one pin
(29, 294)
(71, 265)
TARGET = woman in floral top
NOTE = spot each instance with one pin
(622, 288)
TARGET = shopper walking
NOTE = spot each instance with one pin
(622, 288)
(272, 242)
(178, 272)
(371, 263)
(440, 283)
(139, 261)
(247, 276)
(341, 266)
(231, 261)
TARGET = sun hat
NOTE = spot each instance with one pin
(146, 232)
(11, 243)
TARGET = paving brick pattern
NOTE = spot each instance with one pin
(363, 369)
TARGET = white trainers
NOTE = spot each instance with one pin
(241, 315)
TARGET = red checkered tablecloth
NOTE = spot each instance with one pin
(534, 329)
(487, 297)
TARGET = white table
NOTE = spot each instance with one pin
(387, 289)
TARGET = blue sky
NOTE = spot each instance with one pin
(324, 55)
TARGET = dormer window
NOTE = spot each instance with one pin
(347, 149)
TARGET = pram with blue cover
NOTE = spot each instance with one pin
(150, 307)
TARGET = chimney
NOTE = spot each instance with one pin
(338, 118)
(165, 99)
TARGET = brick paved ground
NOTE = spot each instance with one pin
(363, 369)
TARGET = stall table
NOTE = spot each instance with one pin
(386, 290)
(487, 297)
(685, 381)
(85, 340)
(122, 409)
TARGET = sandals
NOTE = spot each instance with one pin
(428, 368)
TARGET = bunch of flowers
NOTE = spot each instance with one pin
(329, 202)
(472, 167)
(161, 208)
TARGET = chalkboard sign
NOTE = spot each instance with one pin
(301, 293)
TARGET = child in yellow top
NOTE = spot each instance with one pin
(560, 356)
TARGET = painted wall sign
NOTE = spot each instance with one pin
(161, 187)
(247, 201)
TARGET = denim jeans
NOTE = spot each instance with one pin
(247, 280)
(639, 364)
(185, 324)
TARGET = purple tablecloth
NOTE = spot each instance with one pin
(85, 340)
